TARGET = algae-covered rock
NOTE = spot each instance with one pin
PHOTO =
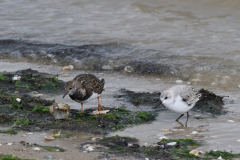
(30, 80)
(210, 102)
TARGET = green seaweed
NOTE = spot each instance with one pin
(21, 121)
(10, 131)
(2, 77)
(51, 149)
(215, 154)
(11, 157)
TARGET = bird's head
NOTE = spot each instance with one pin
(69, 88)
(166, 98)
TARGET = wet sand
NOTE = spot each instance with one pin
(216, 132)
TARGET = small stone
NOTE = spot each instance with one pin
(171, 143)
(194, 132)
(238, 140)
(179, 81)
(30, 133)
(48, 157)
(128, 69)
(231, 121)
(49, 138)
(163, 137)
(36, 149)
(70, 67)
(57, 150)
(9, 144)
(18, 99)
(166, 130)
(146, 158)
(220, 157)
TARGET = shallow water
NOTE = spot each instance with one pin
(215, 132)
(196, 41)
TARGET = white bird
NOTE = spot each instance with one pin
(180, 99)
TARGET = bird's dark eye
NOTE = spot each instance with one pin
(165, 98)
(70, 88)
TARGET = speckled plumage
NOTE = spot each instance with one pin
(84, 87)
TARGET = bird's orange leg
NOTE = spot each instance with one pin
(99, 105)
(82, 111)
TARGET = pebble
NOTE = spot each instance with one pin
(30, 133)
(36, 149)
(238, 140)
(171, 143)
(163, 137)
(128, 69)
(9, 144)
(166, 130)
(18, 99)
(179, 81)
(194, 132)
(220, 157)
(146, 158)
(48, 157)
(95, 138)
(0, 144)
(231, 121)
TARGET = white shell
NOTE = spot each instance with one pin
(100, 112)
(230, 121)
(49, 138)
(220, 157)
(36, 149)
(18, 99)
(163, 137)
(171, 143)
(194, 132)
(9, 144)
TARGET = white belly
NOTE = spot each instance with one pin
(179, 106)
(94, 96)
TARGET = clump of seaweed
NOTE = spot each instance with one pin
(31, 80)
(210, 102)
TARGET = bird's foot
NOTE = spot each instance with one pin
(100, 108)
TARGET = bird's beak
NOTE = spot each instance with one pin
(65, 94)
(158, 104)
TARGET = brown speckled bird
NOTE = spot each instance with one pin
(84, 88)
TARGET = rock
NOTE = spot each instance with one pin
(9, 144)
(59, 110)
(231, 121)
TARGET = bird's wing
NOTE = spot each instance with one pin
(189, 95)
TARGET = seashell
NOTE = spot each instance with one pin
(49, 138)
(36, 149)
(59, 110)
(9, 144)
(100, 112)
(16, 78)
(171, 143)
(163, 137)
(18, 99)
(166, 130)
(220, 157)
(69, 67)
(95, 138)
(238, 140)
(23, 135)
(231, 121)
(194, 132)
(179, 81)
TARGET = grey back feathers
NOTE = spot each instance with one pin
(187, 93)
